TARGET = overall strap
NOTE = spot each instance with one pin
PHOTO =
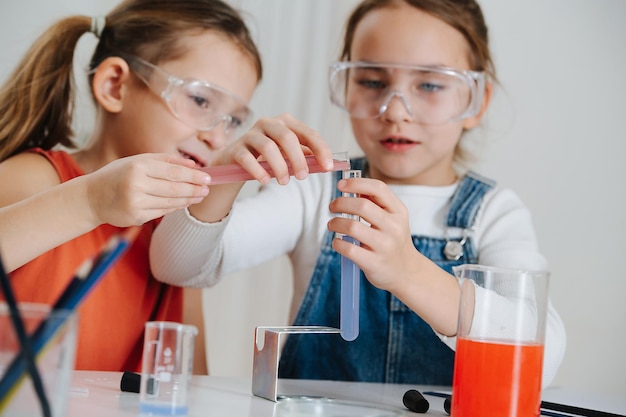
(467, 200)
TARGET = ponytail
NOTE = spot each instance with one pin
(37, 100)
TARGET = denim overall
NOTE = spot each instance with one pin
(394, 345)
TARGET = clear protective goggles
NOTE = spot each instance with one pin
(432, 95)
(197, 103)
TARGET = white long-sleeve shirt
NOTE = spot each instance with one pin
(291, 219)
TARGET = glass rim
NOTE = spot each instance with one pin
(38, 311)
(503, 270)
(171, 325)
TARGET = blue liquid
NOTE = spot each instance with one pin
(350, 289)
(162, 409)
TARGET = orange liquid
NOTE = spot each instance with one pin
(496, 379)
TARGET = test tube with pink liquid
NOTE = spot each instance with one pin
(223, 174)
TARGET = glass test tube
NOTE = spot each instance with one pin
(223, 174)
(350, 281)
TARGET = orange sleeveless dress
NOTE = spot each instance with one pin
(112, 317)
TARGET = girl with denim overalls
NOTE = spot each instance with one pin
(414, 76)
(395, 343)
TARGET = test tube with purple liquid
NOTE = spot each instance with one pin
(350, 281)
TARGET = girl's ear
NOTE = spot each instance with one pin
(472, 122)
(110, 83)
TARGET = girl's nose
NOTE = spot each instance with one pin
(396, 108)
(214, 139)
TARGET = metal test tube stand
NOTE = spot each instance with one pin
(267, 339)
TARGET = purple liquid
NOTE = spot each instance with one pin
(350, 289)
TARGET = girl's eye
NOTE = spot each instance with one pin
(429, 87)
(201, 102)
(235, 122)
(372, 84)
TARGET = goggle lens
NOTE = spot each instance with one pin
(197, 103)
(204, 106)
(431, 95)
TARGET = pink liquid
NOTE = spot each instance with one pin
(224, 174)
(496, 379)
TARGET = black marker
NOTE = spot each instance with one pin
(131, 382)
(415, 401)
(447, 402)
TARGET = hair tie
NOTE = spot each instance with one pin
(97, 25)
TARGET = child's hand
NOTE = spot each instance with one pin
(133, 190)
(387, 255)
(273, 140)
(386, 251)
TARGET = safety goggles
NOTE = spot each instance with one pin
(199, 104)
(431, 95)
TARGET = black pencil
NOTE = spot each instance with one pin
(24, 341)
(87, 276)
(548, 408)
(579, 411)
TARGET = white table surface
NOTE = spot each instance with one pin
(98, 394)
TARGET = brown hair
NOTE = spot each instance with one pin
(463, 15)
(37, 100)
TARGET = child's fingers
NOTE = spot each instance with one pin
(176, 190)
(175, 169)
(285, 137)
(263, 149)
(256, 146)
(309, 139)
(375, 190)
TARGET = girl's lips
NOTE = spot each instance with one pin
(398, 140)
(199, 162)
(398, 144)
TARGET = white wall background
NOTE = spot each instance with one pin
(555, 136)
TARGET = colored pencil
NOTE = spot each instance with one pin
(24, 341)
(86, 278)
